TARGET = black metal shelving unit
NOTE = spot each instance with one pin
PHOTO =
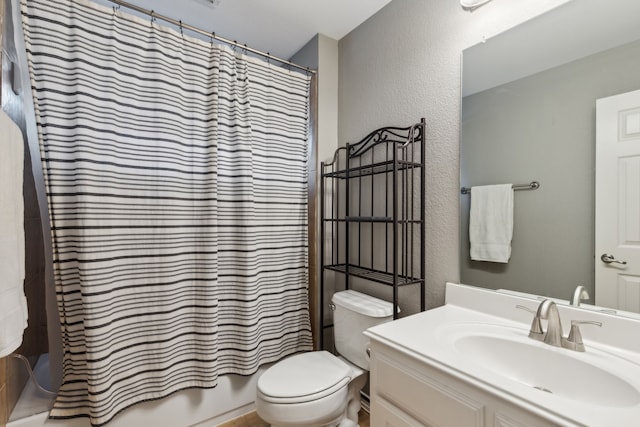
(373, 211)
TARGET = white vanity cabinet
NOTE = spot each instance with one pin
(406, 391)
(471, 363)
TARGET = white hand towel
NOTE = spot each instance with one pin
(491, 223)
(13, 304)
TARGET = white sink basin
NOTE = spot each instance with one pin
(478, 339)
(594, 377)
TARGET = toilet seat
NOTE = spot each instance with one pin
(304, 377)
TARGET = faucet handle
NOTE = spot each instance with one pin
(574, 340)
(535, 331)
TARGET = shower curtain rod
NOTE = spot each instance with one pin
(211, 35)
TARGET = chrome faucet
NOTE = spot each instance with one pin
(579, 294)
(549, 311)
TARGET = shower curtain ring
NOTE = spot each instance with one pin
(153, 17)
(181, 31)
(244, 49)
(212, 37)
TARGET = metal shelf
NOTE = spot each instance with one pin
(372, 206)
(374, 169)
(369, 219)
(377, 276)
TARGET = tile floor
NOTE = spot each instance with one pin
(253, 420)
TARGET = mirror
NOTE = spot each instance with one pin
(528, 114)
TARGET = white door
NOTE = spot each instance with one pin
(618, 201)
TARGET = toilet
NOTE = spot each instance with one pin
(318, 389)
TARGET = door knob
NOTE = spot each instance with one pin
(609, 259)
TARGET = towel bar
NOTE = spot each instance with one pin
(533, 185)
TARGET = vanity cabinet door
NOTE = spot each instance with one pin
(406, 392)
(402, 392)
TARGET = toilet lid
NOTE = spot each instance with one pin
(303, 377)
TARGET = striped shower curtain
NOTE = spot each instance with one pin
(176, 177)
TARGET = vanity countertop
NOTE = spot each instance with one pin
(481, 338)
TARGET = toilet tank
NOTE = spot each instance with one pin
(354, 313)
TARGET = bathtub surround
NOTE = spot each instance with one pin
(32, 399)
(177, 186)
(231, 398)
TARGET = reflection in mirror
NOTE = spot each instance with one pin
(528, 114)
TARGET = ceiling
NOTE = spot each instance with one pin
(280, 27)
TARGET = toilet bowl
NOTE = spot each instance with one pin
(309, 389)
(318, 389)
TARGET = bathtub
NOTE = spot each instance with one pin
(234, 396)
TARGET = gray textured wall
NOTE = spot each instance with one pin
(403, 64)
(321, 53)
(542, 128)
